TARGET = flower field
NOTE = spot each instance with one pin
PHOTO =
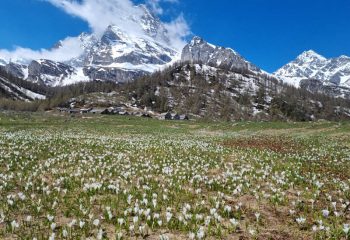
(129, 178)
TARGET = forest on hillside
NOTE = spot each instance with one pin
(181, 88)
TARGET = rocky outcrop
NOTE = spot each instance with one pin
(112, 74)
(200, 51)
(17, 70)
(317, 86)
(47, 71)
(18, 89)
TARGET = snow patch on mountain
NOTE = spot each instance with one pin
(19, 92)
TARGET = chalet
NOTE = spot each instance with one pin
(62, 109)
(106, 111)
(74, 111)
(146, 115)
(184, 117)
(165, 116)
(85, 110)
(97, 111)
(124, 113)
(175, 116)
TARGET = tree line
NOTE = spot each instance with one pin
(217, 95)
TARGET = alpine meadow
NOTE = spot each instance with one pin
(136, 119)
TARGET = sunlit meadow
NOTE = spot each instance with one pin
(131, 178)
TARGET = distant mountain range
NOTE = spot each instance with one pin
(206, 82)
(121, 56)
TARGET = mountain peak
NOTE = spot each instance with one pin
(343, 57)
(111, 35)
(196, 40)
(311, 65)
(198, 50)
(310, 55)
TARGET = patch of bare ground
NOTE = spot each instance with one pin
(275, 144)
(273, 223)
(209, 133)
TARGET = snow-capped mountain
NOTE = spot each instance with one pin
(117, 55)
(200, 51)
(311, 65)
(122, 56)
(117, 50)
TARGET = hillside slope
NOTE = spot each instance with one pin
(17, 89)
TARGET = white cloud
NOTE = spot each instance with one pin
(178, 30)
(123, 13)
(155, 5)
(99, 14)
(70, 48)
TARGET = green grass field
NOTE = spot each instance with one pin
(107, 177)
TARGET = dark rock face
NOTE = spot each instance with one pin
(17, 70)
(46, 71)
(200, 51)
(312, 85)
(112, 74)
(109, 37)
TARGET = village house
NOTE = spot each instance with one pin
(172, 116)
(85, 110)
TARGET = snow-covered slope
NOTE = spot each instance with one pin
(118, 51)
(311, 65)
(11, 90)
(53, 73)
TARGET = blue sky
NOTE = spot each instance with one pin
(269, 33)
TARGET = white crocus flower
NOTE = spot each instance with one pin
(325, 213)
(96, 222)
(14, 224)
(346, 229)
(301, 220)
(234, 222)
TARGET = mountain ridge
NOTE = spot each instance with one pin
(311, 65)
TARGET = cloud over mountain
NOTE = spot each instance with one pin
(99, 14)
(70, 48)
